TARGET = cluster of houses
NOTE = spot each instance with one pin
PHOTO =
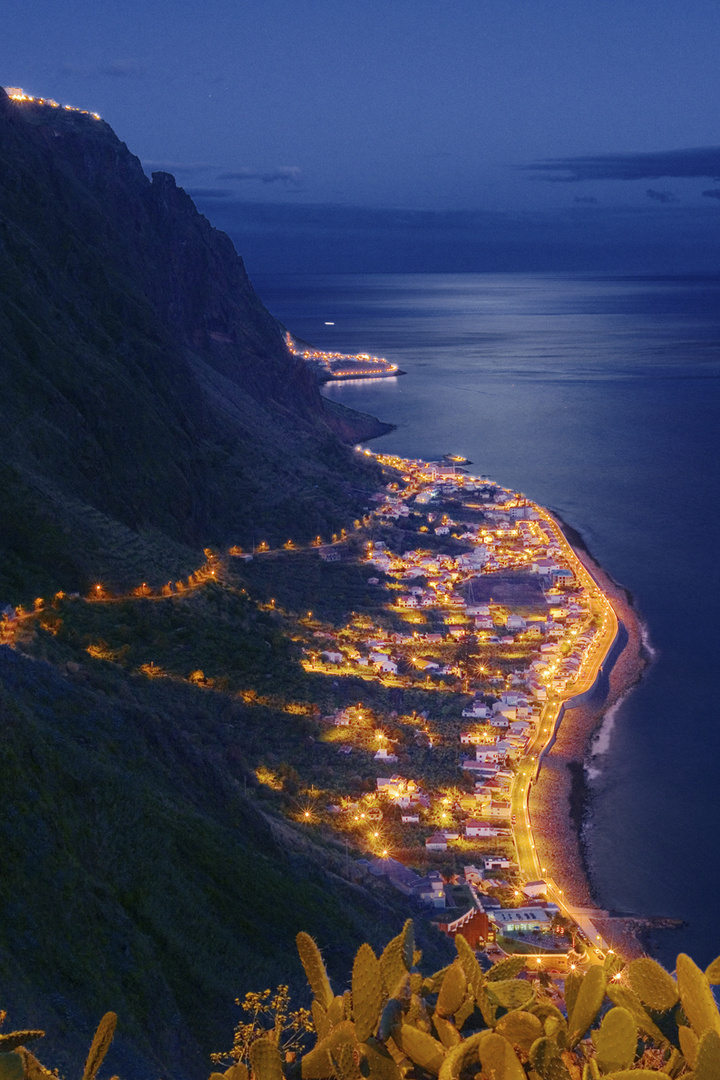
(484, 917)
(513, 587)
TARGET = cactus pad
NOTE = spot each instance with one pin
(499, 1060)
(546, 1061)
(713, 972)
(506, 969)
(367, 992)
(625, 998)
(688, 1044)
(707, 1062)
(392, 964)
(696, 996)
(616, 1040)
(652, 984)
(589, 999)
(422, 1049)
(11, 1067)
(510, 993)
(18, 1038)
(312, 961)
(519, 1028)
(453, 990)
(100, 1045)
(265, 1060)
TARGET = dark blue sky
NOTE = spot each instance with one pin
(568, 131)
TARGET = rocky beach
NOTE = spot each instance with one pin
(557, 800)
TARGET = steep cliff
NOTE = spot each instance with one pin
(148, 404)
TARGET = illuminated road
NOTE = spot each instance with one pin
(527, 857)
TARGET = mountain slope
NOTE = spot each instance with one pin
(148, 404)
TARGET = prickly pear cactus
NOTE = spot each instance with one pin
(696, 996)
(616, 1041)
(367, 992)
(589, 999)
(652, 984)
(315, 971)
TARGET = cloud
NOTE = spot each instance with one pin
(662, 196)
(713, 193)
(701, 161)
(289, 173)
(585, 199)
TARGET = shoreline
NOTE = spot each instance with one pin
(559, 797)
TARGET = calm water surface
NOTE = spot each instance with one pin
(599, 398)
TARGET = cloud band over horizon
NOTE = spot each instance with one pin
(703, 161)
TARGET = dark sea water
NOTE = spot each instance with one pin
(598, 397)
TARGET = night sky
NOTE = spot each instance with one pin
(409, 134)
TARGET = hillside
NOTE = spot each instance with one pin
(148, 404)
(149, 408)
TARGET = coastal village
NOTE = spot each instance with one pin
(492, 607)
(480, 624)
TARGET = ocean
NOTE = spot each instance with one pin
(598, 397)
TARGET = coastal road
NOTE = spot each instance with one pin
(603, 614)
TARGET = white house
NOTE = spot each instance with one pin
(535, 888)
(480, 828)
(495, 862)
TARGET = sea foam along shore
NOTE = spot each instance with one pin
(558, 796)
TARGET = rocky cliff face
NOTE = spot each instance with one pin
(147, 401)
